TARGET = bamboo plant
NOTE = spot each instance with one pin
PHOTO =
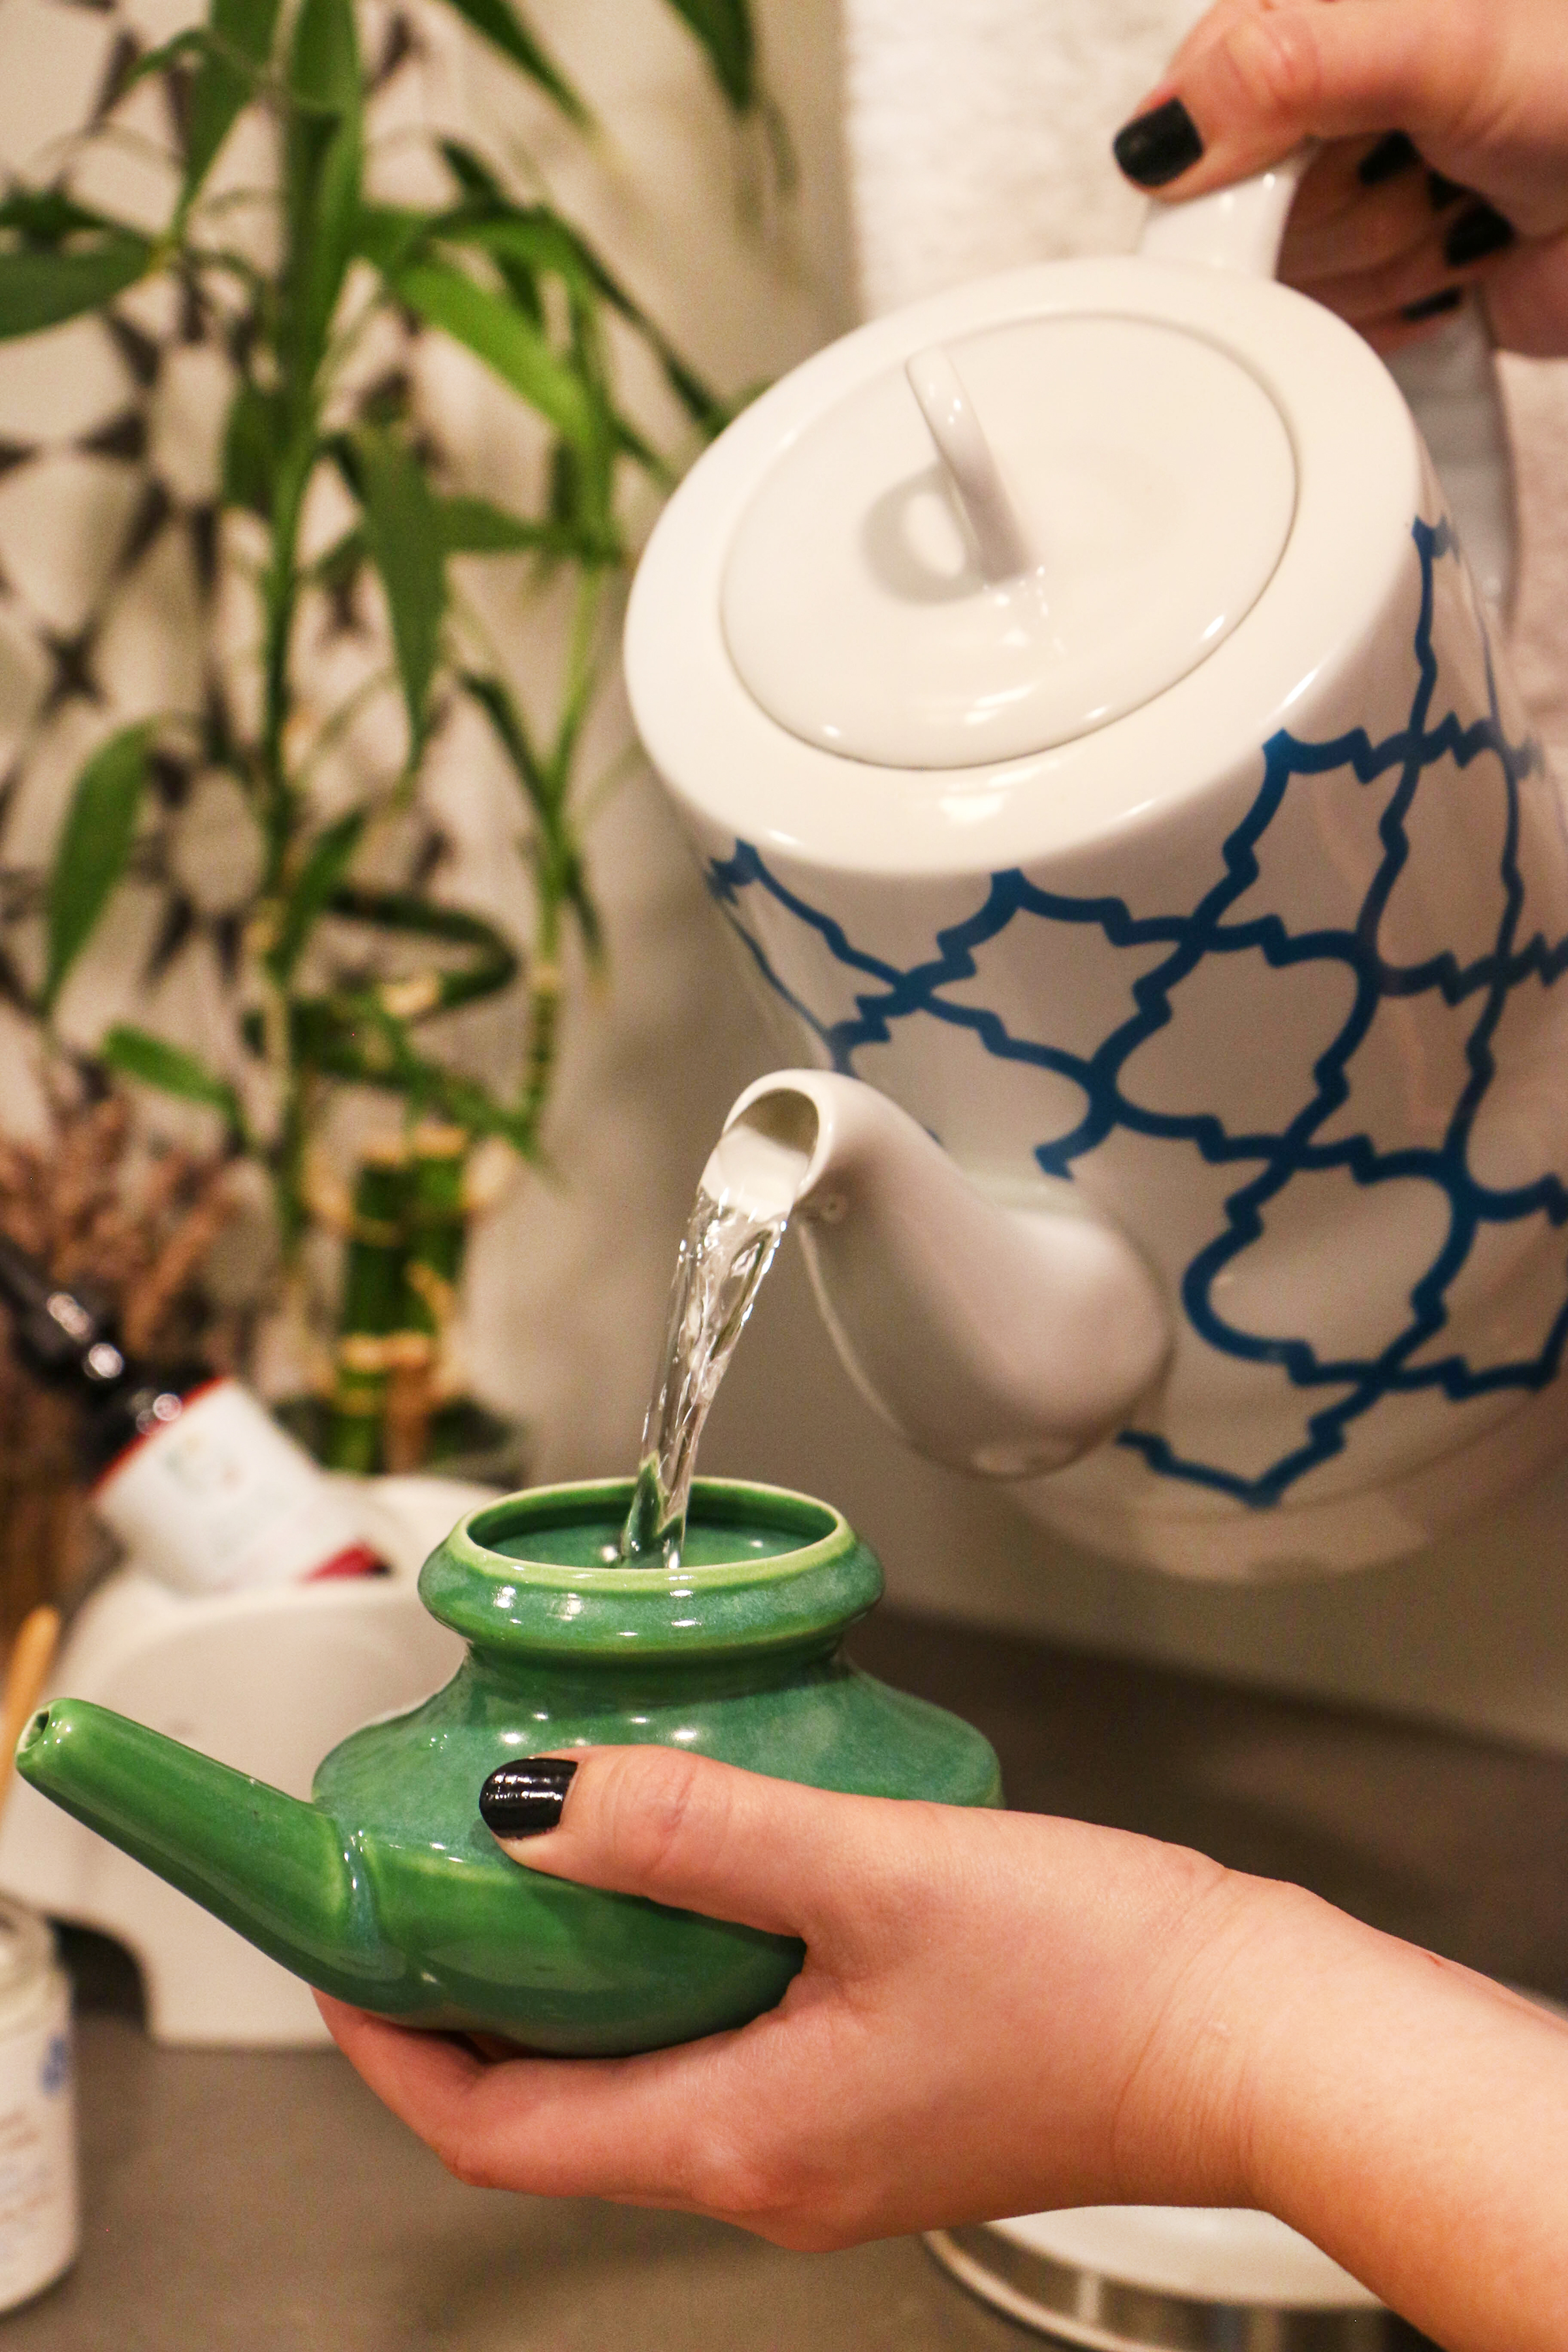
(507, 275)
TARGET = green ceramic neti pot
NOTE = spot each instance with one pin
(388, 1891)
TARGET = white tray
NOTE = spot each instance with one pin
(266, 1682)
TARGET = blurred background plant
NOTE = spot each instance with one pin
(260, 856)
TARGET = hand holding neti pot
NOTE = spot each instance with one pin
(1096, 746)
(388, 1889)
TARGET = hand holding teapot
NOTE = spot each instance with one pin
(1388, 87)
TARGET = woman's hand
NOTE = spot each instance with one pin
(996, 2012)
(1000, 2013)
(1445, 161)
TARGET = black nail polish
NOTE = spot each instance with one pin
(1474, 234)
(1157, 146)
(1443, 192)
(1432, 306)
(524, 1800)
(1394, 153)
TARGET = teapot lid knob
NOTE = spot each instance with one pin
(1000, 534)
(1109, 497)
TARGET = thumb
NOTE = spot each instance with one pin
(1254, 79)
(688, 1831)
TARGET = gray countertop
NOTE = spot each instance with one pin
(245, 2203)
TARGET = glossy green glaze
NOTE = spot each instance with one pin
(388, 1890)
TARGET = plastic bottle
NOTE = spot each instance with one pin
(197, 1480)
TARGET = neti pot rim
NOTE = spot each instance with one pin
(803, 1598)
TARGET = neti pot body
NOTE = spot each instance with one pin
(387, 1890)
(1238, 1018)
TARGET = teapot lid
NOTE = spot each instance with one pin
(1027, 532)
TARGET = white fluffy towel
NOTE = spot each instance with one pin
(979, 132)
(979, 138)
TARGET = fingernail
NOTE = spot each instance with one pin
(1157, 146)
(1443, 192)
(1475, 234)
(525, 1798)
(1393, 154)
(1432, 306)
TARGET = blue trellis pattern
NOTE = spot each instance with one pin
(1300, 1146)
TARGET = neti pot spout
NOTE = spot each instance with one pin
(278, 1871)
(1004, 1342)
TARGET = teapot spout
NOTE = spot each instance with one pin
(1004, 1342)
(273, 1868)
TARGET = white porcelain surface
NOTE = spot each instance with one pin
(736, 773)
(856, 603)
(1001, 1340)
(265, 1681)
(1219, 2253)
(1267, 969)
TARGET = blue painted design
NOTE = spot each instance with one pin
(54, 2074)
(890, 996)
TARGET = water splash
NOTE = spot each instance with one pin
(742, 1210)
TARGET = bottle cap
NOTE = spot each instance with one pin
(56, 1332)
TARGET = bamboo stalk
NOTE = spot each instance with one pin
(437, 1235)
(372, 1309)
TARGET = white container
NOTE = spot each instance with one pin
(39, 2218)
(265, 1679)
(218, 1498)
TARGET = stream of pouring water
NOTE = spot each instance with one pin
(743, 1202)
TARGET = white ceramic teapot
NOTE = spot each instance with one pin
(1094, 742)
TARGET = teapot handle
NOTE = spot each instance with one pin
(1238, 228)
(1449, 378)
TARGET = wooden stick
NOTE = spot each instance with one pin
(27, 1670)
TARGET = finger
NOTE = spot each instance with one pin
(1257, 80)
(438, 2064)
(1399, 328)
(1384, 225)
(704, 1837)
(1334, 183)
(1526, 295)
(661, 2129)
(1415, 277)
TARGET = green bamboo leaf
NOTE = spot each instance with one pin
(239, 44)
(356, 1039)
(336, 570)
(403, 534)
(253, 437)
(511, 732)
(94, 844)
(47, 216)
(483, 194)
(534, 239)
(324, 249)
(390, 236)
(575, 889)
(511, 345)
(41, 289)
(323, 169)
(324, 59)
(724, 29)
(493, 963)
(470, 171)
(504, 28)
(529, 234)
(137, 1054)
(320, 875)
(474, 527)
